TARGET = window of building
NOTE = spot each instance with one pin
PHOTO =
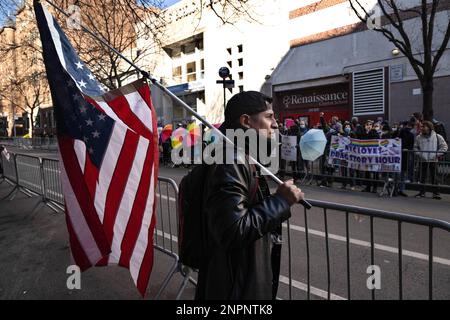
(241, 88)
(191, 72)
(201, 96)
(202, 68)
(230, 64)
(200, 44)
(176, 74)
(229, 50)
(240, 62)
(189, 48)
(176, 52)
(241, 75)
(239, 48)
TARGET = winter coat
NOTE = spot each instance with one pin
(434, 142)
(241, 260)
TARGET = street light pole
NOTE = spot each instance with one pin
(224, 96)
(224, 73)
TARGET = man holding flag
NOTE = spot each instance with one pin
(108, 145)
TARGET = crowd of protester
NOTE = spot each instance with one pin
(416, 135)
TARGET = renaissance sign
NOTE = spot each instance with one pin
(321, 99)
(378, 155)
(317, 97)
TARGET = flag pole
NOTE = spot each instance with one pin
(147, 75)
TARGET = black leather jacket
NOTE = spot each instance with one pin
(241, 262)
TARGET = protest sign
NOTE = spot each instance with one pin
(289, 148)
(377, 155)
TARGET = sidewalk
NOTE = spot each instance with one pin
(35, 255)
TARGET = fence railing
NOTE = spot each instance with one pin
(33, 176)
(44, 143)
(421, 171)
(399, 218)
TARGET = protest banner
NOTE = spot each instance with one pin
(289, 148)
(377, 155)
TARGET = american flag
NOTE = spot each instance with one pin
(108, 144)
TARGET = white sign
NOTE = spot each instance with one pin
(289, 148)
(417, 92)
(397, 73)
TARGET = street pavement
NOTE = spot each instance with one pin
(35, 252)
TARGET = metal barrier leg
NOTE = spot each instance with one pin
(25, 191)
(4, 179)
(54, 206)
(12, 193)
(174, 269)
(186, 279)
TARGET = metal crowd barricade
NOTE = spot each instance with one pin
(43, 177)
(29, 174)
(47, 143)
(52, 189)
(166, 232)
(417, 173)
(10, 173)
(9, 168)
(427, 170)
(399, 218)
(166, 240)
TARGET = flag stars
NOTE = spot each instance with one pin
(79, 65)
(89, 122)
(91, 77)
(82, 84)
(90, 150)
(85, 139)
(83, 109)
(96, 134)
(102, 117)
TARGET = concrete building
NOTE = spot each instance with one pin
(337, 65)
(197, 44)
(311, 56)
(23, 85)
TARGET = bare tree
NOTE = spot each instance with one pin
(425, 59)
(27, 93)
(23, 84)
(120, 23)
